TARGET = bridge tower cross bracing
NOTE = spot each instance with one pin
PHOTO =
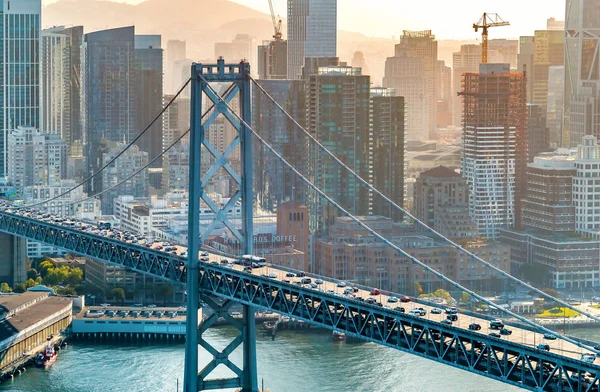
(238, 76)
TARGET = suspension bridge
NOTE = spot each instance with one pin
(513, 359)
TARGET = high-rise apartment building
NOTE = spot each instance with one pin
(406, 75)
(109, 91)
(338, 116)
(525, 62)
(149, 94)
(441, 200)
(19, 70)
(387, 136)
(176, 51)
(275, 183)
(272, 60)
(422, 44)
(35, 158)
(60, 84)
(465, 61)
(132, 160)
(582, 68)
(584, 112)
(494, 145)
(548, 204)
(585, 187)
(549, 51)
(537, 131)
(554, 107)
(444, 95)
(312, 32)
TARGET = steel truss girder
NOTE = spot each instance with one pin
(511, 363)
(508, 362)
(129, 256)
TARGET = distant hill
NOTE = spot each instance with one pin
(203, 22)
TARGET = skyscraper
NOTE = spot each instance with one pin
(587, 164)
(19, 70)
(312, 32)
(149, 93)
(406, 75)
(272, 60)
(422, 45)
(108, 93)
(555, 102)
(387, 137)
(537, 131)
(494, 146)
(61, 83)
(549, 51)
(525, 62)
(467, 60)
(582, 64)
(275, 184)
(338, 116)
(176, 51)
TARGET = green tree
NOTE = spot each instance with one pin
(67, 291)
(441, 293)
(118, 294)
(465, 298)
(52, 278)
(44, 267)
(5, 288)
(551, 292)
(30, 283)
(20, 288)
(165, 291)
(32, 273)
(75, 276)
(418, 288)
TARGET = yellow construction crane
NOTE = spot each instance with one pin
(486, 21)
(276, 24)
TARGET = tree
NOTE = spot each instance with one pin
(30, 283)
(418, 288)
(465, 298)
(44, 267)
(118, 294)
(20, 288)
(551, 292)
(75, 276)
(165, 291)
(5, 288)
(52, 278)
(441, 293)
(67, 291)
(32, 273)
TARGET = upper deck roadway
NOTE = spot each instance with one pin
(512, 359)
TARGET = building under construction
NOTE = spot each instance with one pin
(494, 145)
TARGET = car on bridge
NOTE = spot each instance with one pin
(474, 327)
(543, 346)
(375, 292)
(436, 311)
(496, 324)
(399, 309)
(495, 335)
(290, 275)
(405, 299)
(447, 322)
(549, 336)
(392, 299)
(421, 311)
(451, 310)
(319, 281)
(505, 331)
(341, 284)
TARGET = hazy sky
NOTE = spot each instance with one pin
(449, 19)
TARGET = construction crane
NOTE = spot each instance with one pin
(276, 24)
(486, 21)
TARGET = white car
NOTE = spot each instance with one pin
(436, 311)
(341, 284)
(421, 311)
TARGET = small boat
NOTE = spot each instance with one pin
(46, 357)
(338, 336)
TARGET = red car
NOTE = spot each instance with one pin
(375, 292)
(405, 299)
